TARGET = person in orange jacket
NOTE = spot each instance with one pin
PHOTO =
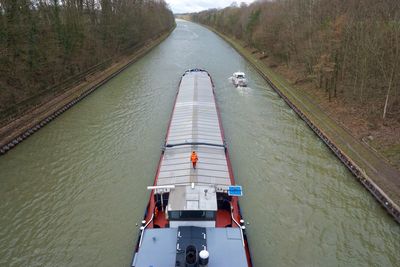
(194, 159)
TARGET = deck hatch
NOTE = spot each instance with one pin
(202, 197)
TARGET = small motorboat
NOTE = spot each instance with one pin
(239, 79)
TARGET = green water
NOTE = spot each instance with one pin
(72, 193)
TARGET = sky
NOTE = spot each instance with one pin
(184, 6)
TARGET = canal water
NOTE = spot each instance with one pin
(71, 195)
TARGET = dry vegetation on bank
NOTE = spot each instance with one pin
(344, 54)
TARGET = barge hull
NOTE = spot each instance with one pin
(181, 190)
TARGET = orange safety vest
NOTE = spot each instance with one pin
(194, 157)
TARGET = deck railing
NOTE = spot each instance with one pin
(142, 228)
(240, 227)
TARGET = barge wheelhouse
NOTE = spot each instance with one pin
(191, 219)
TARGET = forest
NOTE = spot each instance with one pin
(350, 49)
(45, 43)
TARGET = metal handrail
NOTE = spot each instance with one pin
(144, 227)
(240, 227)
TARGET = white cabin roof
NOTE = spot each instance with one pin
(201, 197)
(239, 74)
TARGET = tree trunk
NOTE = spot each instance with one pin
(387, 95)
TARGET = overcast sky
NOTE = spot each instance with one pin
(184, 6)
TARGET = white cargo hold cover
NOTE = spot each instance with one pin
(195, 123)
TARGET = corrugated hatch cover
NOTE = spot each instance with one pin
(195, 120)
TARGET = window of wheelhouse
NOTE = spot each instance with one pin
(192, 215)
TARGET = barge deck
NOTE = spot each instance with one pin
(191, 218)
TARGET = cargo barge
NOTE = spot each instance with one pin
(193, 215)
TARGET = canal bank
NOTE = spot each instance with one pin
(373, 172)
(26, 124)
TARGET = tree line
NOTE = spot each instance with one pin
(45, 42)
(349, 48)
